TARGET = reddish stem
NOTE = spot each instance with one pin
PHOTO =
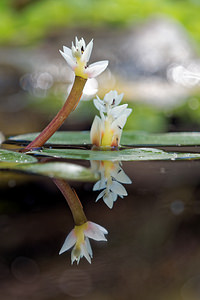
(72, 200)
(68, 107)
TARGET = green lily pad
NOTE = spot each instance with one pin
(60, 138)
(137, 154)
(21, 162)
(161, 139)
(131, 138)
(7, 156)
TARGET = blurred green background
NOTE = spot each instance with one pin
(28, 21)
(32, 31)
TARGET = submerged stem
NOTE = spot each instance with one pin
(72, 200)
(68, 107)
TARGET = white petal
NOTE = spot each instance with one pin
(95, 132)
(90, 89)
(118, 188)
(67, 51)
(119, 99)
(128, 111)
(120, 176)
(73, 50)
(87, 53)
(96, 186)
(79, 45)
(88, 246)
(99, 185)
(96, 232)
(97, 68)
(98, 227)
(69, 242)
(119, 122)
(69, 60)
(100, 195)
(110, 96)
(99, 105)
(82, 43)
(85, 253)
(74, 258)
(118, 110)
(109, 199)
(76, 41)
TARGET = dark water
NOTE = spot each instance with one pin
(153, 248)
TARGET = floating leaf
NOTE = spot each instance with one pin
(15, 157)
(60, 138)
(137, 154)
(132, 138)
(161, 139)
(62, 170)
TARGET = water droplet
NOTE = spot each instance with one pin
(11, 183)
(177, 207)
(162, 170)
(25, 269)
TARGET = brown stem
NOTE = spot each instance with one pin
(72, 200)
(70, 105)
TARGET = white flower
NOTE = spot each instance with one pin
(78, 56)
(110, 100)
(112, 175)
(106, 131)
(79, 237)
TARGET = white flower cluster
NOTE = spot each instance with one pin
(78, 56)
(112, 176)
(106, 131)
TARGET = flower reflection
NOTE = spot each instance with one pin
(83, 230)
(112, 177)
(79, 237)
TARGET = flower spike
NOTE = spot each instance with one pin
(78, 56)
(106, 131)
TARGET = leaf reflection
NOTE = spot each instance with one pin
(111, 178)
